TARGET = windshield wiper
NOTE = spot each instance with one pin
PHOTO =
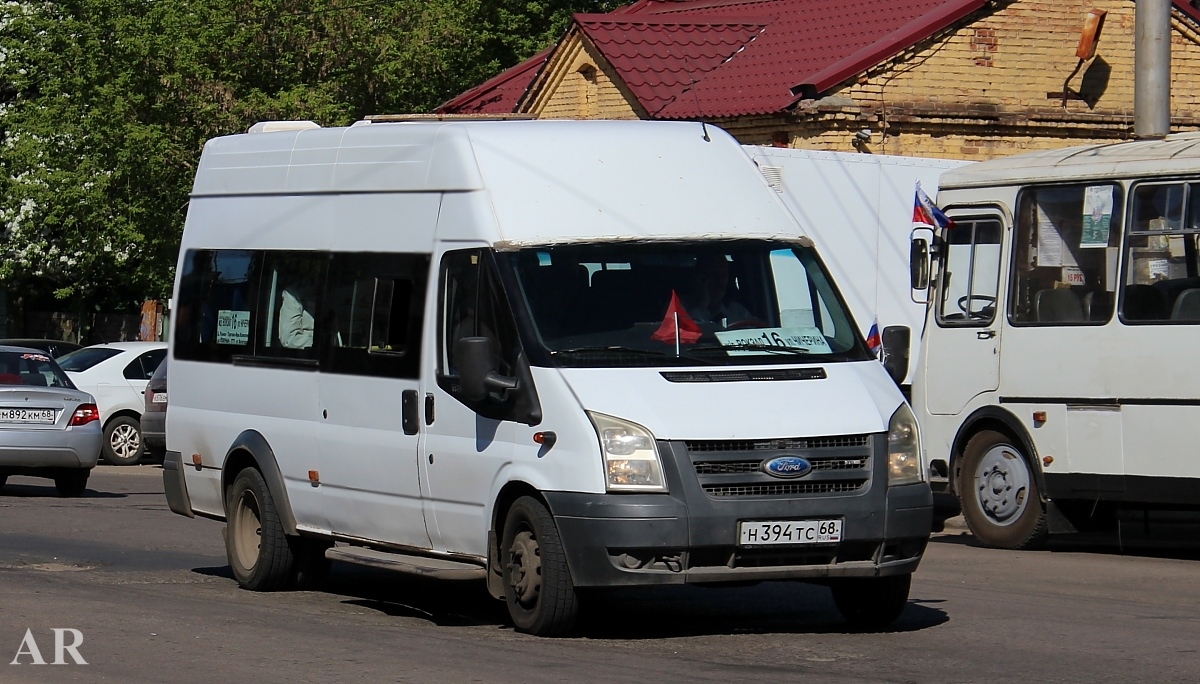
(616, 348)
(611, 348)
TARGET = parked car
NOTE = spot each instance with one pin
(55, 348)
(116, 375)
(48, 427)
(154, 417)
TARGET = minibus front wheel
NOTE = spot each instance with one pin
(538, 589)
(999, 493)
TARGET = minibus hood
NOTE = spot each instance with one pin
(853, 398)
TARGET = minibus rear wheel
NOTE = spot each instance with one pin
(999, 494)
(257, 547)
(538, 590)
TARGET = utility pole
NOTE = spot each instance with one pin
(1152, 69)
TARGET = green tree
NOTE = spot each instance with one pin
(105, 105)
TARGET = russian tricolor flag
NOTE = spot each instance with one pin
(926, 212)
(873, 341)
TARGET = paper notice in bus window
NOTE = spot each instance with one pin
(1097, 215)
(1050, 243)
(808, 339)
(233, 327)
(1073, 276)
(1159, 269)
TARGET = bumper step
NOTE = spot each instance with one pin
(436, 568)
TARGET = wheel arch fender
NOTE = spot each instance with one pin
(251, 450)
(1003, 421)
(511, 484)
(123, 413)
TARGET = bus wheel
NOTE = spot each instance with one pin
(538, 589)
(254, 540)
(871, 603)
(999, 494)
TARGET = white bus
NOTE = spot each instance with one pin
(547, 355)
(1055, 391)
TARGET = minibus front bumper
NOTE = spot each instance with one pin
(688, 537)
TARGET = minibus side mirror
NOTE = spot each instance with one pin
(473, 356)
(896, 340)
(918, 263)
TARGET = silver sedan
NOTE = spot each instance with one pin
(48, 428)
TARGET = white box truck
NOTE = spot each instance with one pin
(858, 209)
(548, 355)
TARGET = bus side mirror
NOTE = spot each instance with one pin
(896, 340)
(918, 263)
(477, 375)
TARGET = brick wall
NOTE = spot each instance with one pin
(578, 84)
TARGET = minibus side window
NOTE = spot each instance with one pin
(970, 278)
(373, 314)
(290, 292)
(1162, 275)
(215, 318)
(1065, 255)
(472, 304)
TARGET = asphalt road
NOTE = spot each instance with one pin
(152, 596)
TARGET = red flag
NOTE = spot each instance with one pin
(688, 331)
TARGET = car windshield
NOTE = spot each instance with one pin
(690, 303)
(83, 359)
(32, 369)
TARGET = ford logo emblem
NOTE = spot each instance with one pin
(787, 467)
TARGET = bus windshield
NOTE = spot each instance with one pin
(690, 303)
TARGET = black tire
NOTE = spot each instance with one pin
(71, 482)
(258, 550)
(871, 603)
(999, 494)
(3, 480)
(311, 571)
(538, 590)
(123, 443)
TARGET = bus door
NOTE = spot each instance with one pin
(369, 382)
(1060, 347)
(963, 350)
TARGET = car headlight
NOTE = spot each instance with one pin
(631, 461)
(904, 448)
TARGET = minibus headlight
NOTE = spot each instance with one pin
(631, 461)
(904, 448)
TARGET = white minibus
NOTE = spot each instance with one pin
(1055, 392)
(551, 355)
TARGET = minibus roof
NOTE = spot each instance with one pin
(545, 181)
(1174, 155)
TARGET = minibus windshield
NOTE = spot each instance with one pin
(684, 303)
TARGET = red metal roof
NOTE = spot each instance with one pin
(658, 59)
(500, 93)
(809, 47)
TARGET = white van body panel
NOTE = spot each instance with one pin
(850, 401)
(858, 209)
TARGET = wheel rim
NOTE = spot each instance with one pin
(1002, 485)
(247, 530)
(125, 441)
(525, 568)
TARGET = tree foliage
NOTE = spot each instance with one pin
(105, 105)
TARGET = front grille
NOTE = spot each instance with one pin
(727, 469)
(778, 444)
(734, 467)
(783, 488)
